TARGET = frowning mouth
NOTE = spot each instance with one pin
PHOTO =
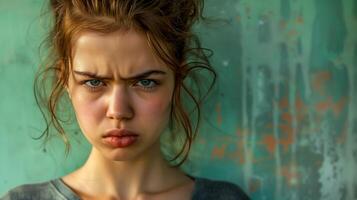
(120, 138)
(119, 133)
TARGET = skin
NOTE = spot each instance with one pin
(141, 105)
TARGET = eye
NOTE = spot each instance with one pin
(93, 84)
(147, 84)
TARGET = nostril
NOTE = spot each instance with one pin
(120, 113)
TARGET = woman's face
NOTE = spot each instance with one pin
(116, 84)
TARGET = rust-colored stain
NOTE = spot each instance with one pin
(285, 124)
(339, 106)
(319, 80)
(282, 24)
(299, 103)
(301, 108)
(219, 114)
(270, 143)
(286, 116)
(239, 132)
(293, 33)
(238, 154)
(287, 136)
(323, 106)
(242, 132)
(290, 175)
(218, 152)
(284, 103)
(299, 20)
(254, 185)
(238, 18)
(286, 128)
(328, 104)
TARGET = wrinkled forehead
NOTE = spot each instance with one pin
(120, 52)
(130, 40)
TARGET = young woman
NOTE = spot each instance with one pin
(123, 66)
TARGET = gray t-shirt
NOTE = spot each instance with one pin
(205, 189)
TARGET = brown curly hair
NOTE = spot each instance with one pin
(168, 28)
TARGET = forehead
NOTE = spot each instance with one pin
(130, 39)
(125, 51)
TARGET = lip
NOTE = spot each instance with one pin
(119, 133)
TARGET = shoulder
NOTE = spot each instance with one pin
(43, 190)
(207, 189)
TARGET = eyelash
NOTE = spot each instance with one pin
(95, 88)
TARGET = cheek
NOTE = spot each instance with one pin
(156, 109)
(88, 112)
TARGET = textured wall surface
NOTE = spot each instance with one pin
(284, 123)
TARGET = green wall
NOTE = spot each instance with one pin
(282, 121)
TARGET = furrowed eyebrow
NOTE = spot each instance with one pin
(137, 76)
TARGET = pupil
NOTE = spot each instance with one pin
(95, 82)
(145, 82)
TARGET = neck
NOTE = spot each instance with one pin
(147, 174)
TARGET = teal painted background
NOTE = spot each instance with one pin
(284, 120)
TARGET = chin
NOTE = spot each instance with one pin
(119, 155)
(131, 153)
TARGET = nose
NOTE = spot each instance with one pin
(119, 107)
